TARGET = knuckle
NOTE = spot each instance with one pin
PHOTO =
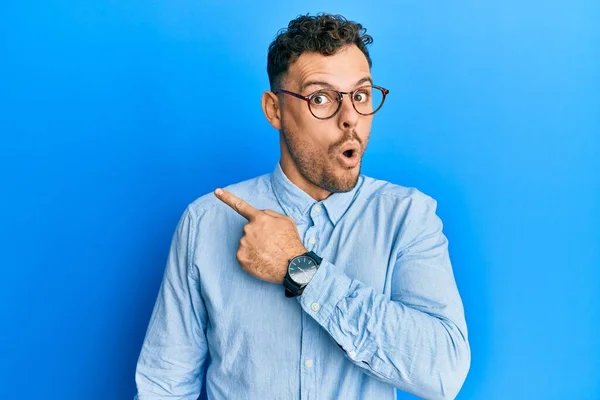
(261, 216)
(239, 204)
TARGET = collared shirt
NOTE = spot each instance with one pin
(381, 312)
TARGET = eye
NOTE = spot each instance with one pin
(362, 95)
(321, 99)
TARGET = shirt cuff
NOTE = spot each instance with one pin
(329, 285)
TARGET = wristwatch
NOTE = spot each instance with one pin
(301, 270)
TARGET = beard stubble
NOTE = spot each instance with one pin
(320, 169)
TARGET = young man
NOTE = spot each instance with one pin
(314, 281)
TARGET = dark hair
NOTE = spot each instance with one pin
(323, 33)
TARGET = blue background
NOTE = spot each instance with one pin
(115, 115)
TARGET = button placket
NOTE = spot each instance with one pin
(308, 361)
(310, 237)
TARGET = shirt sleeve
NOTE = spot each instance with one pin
(418, 340)
(170, 364)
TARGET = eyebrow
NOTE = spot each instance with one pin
(330, 86)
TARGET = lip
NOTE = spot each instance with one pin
(349, 162)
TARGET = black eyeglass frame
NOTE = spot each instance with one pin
(340, 99)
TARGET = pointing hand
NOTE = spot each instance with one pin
(270, 239)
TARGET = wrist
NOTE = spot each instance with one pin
(297, 251)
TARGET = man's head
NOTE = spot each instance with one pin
(312, 54)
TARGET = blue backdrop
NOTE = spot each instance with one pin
(115, 115)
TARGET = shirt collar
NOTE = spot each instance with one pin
(296, 202)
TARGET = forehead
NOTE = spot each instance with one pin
(341, 70)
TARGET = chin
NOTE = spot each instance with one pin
(346, 182)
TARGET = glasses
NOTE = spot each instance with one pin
(326, 103)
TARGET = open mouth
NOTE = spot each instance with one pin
(350, 149)
(349, 153)
(349, 157)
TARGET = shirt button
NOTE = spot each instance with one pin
(315, 306)
(352, 354)
(308, 363)
(312, 240)
(318, 208)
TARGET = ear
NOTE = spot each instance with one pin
(271, 109)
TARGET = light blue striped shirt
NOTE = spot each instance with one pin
(382, 312)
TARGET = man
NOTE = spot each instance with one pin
(314, 281)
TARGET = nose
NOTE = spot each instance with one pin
(347, 117)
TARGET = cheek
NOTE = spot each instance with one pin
(297, 116)
(312, 135)
(364, 130)
(365, 137)
(314, 144)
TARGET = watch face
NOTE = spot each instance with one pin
(302, 269)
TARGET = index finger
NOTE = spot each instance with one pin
(240, 206)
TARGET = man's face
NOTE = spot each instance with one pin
(317, 146)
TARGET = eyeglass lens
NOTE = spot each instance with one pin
(366, 100)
